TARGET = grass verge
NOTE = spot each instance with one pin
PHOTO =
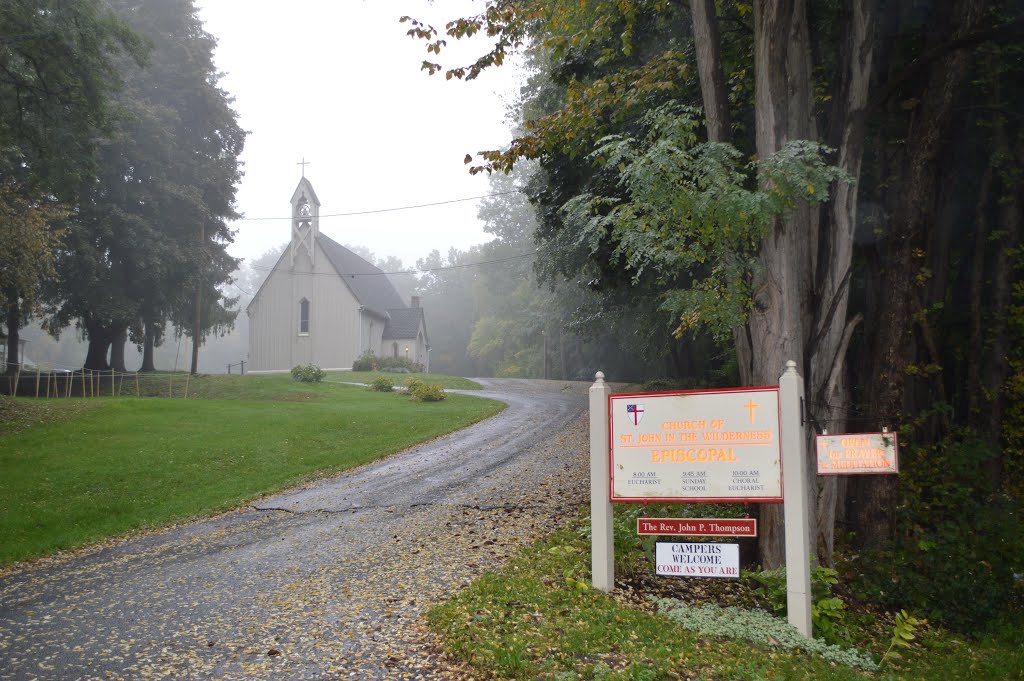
(109, 465)
(533, 620)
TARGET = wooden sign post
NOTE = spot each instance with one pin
(795, 506)
(602, 547)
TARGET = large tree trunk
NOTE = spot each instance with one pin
(708, 45)
(795, 266)
(996, 368)
(782, 286)
(872, 501)
(147, 349)
(561, 354)
(12, 319)
(197, 316)
(99, 346)
(977, 286)
(988, 366)
(707, 40)
(118, 340)
(827, 385)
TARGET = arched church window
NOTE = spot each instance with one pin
(394, 349)
(304, 316)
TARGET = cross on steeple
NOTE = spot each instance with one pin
(303, 163)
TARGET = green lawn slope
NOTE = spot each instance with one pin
(76, 470)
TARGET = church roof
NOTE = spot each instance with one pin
(306, 187)
(404, 322)
(368, 284)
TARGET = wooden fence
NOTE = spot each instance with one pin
(93, 383)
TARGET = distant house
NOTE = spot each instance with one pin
(322, 304)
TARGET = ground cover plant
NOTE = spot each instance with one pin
(536, 618)
(108, 465)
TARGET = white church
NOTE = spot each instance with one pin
(324, 305)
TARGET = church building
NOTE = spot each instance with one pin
(324, 305)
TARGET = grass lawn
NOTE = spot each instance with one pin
(75, 471)
(529, 621)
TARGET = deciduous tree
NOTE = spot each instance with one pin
(58, 72)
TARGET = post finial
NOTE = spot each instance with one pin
(599, 377)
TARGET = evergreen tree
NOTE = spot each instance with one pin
(149, 245)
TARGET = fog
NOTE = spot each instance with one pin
(339, 84)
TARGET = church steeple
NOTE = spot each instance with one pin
(305, 219)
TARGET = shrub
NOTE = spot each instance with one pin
(308, 374)
(827, 611)
(666, 384)
(382, 384)
(634, 553)
(412, 384)
(511, 371)
(960, 545)
(392, 363)
(961, 574)
(428, 392)
(366, 362)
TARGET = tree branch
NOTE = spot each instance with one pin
(826, 322)
(1006, 31)
(837, 362)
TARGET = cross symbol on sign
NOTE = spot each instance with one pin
(751, 406)
(636, 411)
(304, 163)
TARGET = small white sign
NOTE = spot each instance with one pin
(698, 560)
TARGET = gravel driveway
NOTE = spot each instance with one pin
(327, 581)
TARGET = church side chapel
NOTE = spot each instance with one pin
(324, 305)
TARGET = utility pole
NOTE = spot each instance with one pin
(197, 313)
(544, 335)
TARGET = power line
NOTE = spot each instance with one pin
(414, 271)
(239, 288)
(390, 210)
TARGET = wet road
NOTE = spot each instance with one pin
(326, 581)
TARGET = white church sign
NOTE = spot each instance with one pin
(762, 422)
(692, 446)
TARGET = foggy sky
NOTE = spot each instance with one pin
(339, 83)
